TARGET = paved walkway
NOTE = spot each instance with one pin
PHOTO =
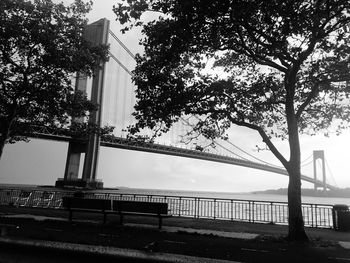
(206, 226)
(190, 228)
(114, 252)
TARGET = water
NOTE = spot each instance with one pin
(239, 196)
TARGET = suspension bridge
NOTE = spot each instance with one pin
(112, 88)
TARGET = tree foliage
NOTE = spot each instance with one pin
(258, 44)
(278, 67)
(41, 48)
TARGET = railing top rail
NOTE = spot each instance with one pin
(216, 198)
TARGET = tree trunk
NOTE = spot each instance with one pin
(4, 131)
(295, 219)
(296, 231)
(5, 128)
(2, 145)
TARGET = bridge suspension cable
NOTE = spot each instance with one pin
(240, 149)
(306, 164)
(120, 64)
(230, 151)
(306, 159)
(127, 51)
(252, 156)
(122, 44)
(330, 173)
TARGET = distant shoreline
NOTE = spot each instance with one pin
(341, 192)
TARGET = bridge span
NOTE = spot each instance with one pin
(137, 145)
(123, 143)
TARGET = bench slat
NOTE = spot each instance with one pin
(87, 203)
(140, 207)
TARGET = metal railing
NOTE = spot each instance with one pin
(315, 215)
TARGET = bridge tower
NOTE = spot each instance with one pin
(96, 33)
(320, 155)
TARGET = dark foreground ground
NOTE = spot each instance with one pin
(43, 235)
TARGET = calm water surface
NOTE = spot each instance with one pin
(243, 196)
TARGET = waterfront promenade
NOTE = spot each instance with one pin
(41, 233)
(246, 210)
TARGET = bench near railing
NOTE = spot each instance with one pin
(87, 205)
(122, 208)
(315, 215)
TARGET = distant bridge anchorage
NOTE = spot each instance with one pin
(111, 87)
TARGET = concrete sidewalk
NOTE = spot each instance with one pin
(250, 234)
(224, 228)
(237, 230)
(122, 254)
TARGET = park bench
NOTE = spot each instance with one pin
(77, 204)
(140, 208)
(119, 207)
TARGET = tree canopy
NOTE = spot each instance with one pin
(278, 67)
(42, 47)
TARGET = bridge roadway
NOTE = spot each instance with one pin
(136, 145)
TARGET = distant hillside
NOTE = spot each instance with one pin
(341, 192)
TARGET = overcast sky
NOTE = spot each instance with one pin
(42, 162)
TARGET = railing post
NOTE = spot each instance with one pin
(198, 207)
(195, 207)
(271, 212)
(180, 206)
(231, 210)
(312, 215)
(214, 208)
(249, 212)
(316, 210)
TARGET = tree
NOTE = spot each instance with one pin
(41, 48)
(285, 67)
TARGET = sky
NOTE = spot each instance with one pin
(42, 162)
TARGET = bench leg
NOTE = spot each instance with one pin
(70, 215)
(121, 218)
(160, 223)
(104, 218)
